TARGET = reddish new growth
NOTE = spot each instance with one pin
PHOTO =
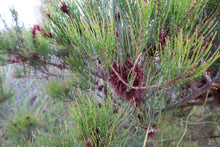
(162, 37)
(124, 71)
(64, 8)
(47, 34)
(49, 16)
(16, 58)
(36, 28)
(118, 17)
(33, 56)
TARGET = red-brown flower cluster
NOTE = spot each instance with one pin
(33, 56)
(48, 15)
(124, 71)
(64, 8)
(16, 58)
(36, 28)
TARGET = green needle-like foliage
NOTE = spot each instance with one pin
(4, 95)
(58, 137)
(59, 90)
(99, 124)
(133, 61)
(100, 33)
(23, 125)
(6, 91)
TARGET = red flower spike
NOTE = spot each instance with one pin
(118, 17)
(48, 15)
(36, 27)
(47, 34)
(64, 8)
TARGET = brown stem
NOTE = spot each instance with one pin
(190, 138)
(53, 64)
(210, 103)
(195, 93)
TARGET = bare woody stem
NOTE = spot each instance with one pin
(209, 103)
(196, 92)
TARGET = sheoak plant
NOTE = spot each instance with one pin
(133, 63)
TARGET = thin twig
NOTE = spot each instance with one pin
(147, 87)
(187, 119)
(210, 103)
(190, 138)
(202, 123)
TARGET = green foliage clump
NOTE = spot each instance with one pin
(99, 124)
(6, 91)
(23, 125)
(4, 94)
(57, 137)
(60, 90)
